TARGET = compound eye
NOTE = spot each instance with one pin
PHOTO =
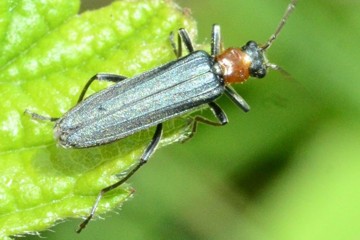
(258, 73)
(252, 45)
(257, 69)
(261, 73)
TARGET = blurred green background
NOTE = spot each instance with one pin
(288, 169)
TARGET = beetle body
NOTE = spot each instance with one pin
(143, 101)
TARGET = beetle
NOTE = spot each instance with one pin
(165, 92)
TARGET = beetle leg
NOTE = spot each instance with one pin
(176, 48)
(216, 44)
(144, 158)
(237, 99)
(219, 114)
(101, 77)
(183, 37)
(37, 116)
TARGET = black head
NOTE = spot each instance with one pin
(258, 61)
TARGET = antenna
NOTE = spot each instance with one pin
(287, 13)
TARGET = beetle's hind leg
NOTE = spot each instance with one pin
(182, 37)
(177, 48)
(144, 158)
(100, 77)
(37, 116)
(219, 114)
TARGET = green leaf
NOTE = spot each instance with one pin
(48, 54)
